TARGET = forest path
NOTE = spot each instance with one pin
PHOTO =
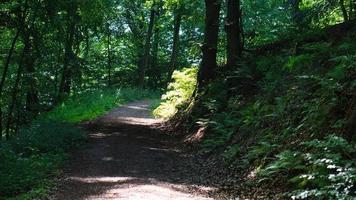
(127, 157)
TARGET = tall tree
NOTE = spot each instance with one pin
(208, 65)
(14, 93)
(109, 56)
(233, 27)
(22, 16)
(343, 10)
(146, 56)
(175, 47)
(65, 84)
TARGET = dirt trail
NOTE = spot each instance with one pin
(128, 158)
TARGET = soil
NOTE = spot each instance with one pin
(129, 157)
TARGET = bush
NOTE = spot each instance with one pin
(179, 92)
(28, 160)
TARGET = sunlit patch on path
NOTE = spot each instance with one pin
(128, 158)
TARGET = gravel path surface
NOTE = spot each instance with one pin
(127, 157)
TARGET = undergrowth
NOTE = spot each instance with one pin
(178, 94)
(287, 118)
(29, 160)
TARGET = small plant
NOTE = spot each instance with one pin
(297, 62)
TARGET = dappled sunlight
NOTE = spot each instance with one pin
(128, 158)
(136, 120)
(101, 179)
(136, 188)
(98, 135)
(147, 192)
(130, 114)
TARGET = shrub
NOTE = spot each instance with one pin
(179, 92)
(28, 160)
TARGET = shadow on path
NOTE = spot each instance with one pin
(128, 158)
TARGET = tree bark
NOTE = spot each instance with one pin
(4, 74)
(32, 101)
(7, 62)
(146, 56)
(350, 129)
(352, 10)
(175, 47)
(65, 84)
(343, 10)
(233, 33)
(109, 58)
(25, 51)
(208, 65)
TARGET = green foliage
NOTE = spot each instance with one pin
(345, 65)
(289, 124)
(326, 169)
(223, 126)
(179, 92)
(28, 160)
(298, 62)
(91, 104)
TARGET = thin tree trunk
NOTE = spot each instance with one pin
(32, 101)
(350, 129)
(343, 10)
(146, 56)
(4, 74)
(297, 13)
(7, 62)
(25, 51)
(156, 42)
(352, 9)
(175, 48)
(208, 65)
(109, 58)
(233, 33)
(65, 84)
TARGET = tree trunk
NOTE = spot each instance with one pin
(175, 48)
(156, 42)
(352, 10)
(297, 15)
(65, 84)
(350, 130)
(233, 33)
(109, 58)
(147, 49)
(343, 10)
(7, 63)
(32, 101)
(208, 65)
(4, 74)
(13, 100)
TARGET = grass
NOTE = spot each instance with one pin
(31, 159)
(91, 104)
